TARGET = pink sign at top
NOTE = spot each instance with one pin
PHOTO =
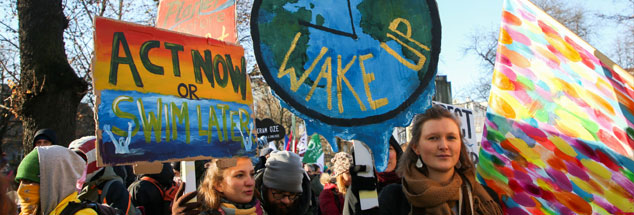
(208, 18)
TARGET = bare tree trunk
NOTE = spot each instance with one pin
(49, 89)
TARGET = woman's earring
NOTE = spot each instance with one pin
(419, 163)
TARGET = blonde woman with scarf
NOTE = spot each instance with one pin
(228, 187)
(438, 176)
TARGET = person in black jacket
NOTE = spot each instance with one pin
(150, 191)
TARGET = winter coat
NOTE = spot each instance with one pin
(116, 196)
(316, 187)
(330, 200)
(307, 201)
(147, 195)
(392, 201)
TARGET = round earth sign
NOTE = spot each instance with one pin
(347, 63)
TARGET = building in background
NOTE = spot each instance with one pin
(443, 90)
(442, 95)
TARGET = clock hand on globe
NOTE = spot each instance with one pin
(352, 35)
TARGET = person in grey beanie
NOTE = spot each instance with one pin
(283, 187)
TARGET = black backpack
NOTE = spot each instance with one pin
(101, 209)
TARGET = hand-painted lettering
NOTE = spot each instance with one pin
(408, 36)
(175, 48)
(122, 114)
(144, 52)
(118, 39)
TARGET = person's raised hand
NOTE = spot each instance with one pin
(181, 204)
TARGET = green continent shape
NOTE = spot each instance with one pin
(376, 19)
(279, 33)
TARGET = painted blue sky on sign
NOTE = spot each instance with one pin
(226, 142)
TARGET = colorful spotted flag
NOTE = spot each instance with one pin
(559, 134)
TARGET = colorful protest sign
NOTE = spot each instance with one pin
(208, 18)
(353, 69)
(163, 95)
(467, 128)
(559, 134)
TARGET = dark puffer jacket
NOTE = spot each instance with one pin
(146, 194)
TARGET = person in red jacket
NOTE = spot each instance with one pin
(331, 199)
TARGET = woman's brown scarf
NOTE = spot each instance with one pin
(432, 197)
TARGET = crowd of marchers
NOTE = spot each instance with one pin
(433, 175)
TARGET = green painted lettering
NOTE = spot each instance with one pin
(115, 60)
(238, 76)
(205, 64)
(175, 48)
(143, 53)
(232, 125)
(224, 109)
(121, 114)
(151, 121)
(180, 114)
(202, 132)
(213, 121)
(222, 81)
(167, 123)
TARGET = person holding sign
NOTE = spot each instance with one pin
(438, 176)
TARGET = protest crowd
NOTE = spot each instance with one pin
(558, 135)
(434, 175)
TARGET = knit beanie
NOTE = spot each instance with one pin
(341, 163)
(46, 134)
(284, 172)
(29, 168)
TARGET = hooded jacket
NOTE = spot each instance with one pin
(146, 194)
(59, 170)
(307, 202)
(93, 188)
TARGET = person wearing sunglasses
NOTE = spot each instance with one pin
(283, 187)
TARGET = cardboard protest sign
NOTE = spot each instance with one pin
(353, 69)
(466, 127)
(163, 95)
(269, 129)
(209, 18)
(559, 129)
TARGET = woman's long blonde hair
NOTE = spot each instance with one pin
(341, 184)
(207, 193)
(409, 157)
